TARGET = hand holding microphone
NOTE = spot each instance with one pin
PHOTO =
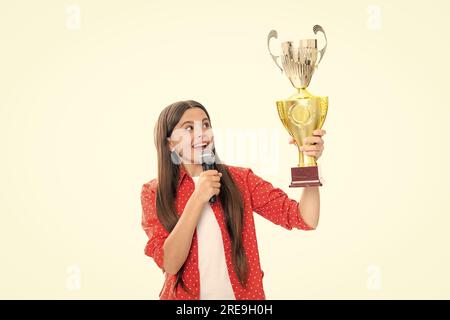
(208, 186)
(209, 181)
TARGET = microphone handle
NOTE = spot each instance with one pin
(210, 167)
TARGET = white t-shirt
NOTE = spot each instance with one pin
(214, 279)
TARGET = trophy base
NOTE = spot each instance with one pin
(305, 177)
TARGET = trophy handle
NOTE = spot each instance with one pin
(316, 29)
(273, 34)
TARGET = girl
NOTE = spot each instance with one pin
(208, 250)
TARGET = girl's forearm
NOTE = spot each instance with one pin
(309, 206)
(178, 243)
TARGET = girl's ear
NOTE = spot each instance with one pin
(170, 144)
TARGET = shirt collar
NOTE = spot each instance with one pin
(182, 174)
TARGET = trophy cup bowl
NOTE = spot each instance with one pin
(302, 112)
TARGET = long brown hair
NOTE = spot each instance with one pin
(168, 175)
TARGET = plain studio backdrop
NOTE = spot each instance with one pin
(82, 84)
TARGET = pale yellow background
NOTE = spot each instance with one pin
(78, 106)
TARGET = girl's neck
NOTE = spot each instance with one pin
(193, 169)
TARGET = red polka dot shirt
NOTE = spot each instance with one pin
(258, 196)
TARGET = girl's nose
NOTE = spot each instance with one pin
(201, 132)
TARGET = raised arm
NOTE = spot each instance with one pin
(274, 204)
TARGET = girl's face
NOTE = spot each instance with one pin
(191, 135)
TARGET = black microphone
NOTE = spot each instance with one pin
(209, 163)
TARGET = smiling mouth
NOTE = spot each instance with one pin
(200, 146)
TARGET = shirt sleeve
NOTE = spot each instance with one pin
(274, 204)
(155, 231)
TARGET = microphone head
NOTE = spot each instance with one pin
(208, 157)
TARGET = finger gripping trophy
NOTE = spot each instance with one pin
(302, 112)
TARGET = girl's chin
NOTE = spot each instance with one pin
(198, 150)
(192, 160)
(195, 156)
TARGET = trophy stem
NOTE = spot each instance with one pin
(306, 161)
(304, 92)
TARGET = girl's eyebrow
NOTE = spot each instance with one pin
(192, 121)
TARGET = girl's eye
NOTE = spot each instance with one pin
(190, 127)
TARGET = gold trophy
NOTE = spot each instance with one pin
(301, 113)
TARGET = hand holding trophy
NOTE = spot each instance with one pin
(302, 113)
